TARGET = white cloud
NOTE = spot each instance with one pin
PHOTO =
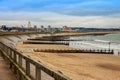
(58, 20)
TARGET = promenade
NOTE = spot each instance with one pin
(5, 71)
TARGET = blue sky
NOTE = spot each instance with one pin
(87, 13)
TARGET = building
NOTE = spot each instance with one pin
(65, 28)
(49, 29)
(29, 24)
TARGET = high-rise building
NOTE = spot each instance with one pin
(29, 24)
(49, 29)
(42, 28)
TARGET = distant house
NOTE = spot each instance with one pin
(65, 28)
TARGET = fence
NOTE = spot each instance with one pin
(26, 68)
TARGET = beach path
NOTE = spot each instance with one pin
(5, 72)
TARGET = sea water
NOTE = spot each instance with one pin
(108, 42)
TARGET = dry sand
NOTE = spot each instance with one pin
(77, 66)
(41, 46)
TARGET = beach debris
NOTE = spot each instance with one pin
(27, 50)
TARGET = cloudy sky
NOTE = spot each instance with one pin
(57, 13)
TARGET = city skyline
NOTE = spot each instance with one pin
(86, 13)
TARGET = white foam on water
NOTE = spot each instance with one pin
(109, 41)
(93, 45)
(104, 41)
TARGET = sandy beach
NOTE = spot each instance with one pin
(77, 66)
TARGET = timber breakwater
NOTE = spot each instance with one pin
(61, 40)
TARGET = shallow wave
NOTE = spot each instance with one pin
(94, 45)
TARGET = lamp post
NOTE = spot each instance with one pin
(52, 35)
(109, 45)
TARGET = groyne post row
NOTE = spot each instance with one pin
(50, 42)
(74, 51)
(26, 68)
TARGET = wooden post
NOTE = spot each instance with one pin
(10, 53)
(15, 71)
(38, 73)
(27, 67)
(10, 65)
(19, 76)
(20, 60)
(15, 58)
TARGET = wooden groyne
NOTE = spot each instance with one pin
(74, 51)
(26, 68)
(49, 42)
(50, 38)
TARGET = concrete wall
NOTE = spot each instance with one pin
(13, 40)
